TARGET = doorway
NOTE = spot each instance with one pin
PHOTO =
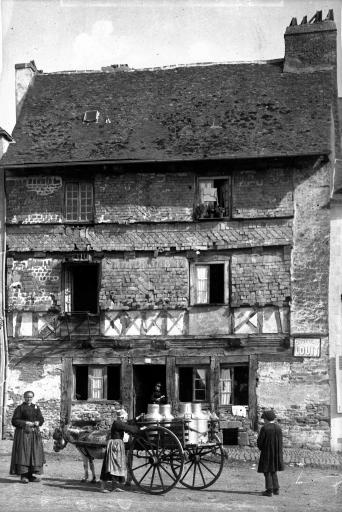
(144, 379)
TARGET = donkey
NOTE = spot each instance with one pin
(67, 434)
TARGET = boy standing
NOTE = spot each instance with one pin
(270, 444)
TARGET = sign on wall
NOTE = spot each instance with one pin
(307, 347)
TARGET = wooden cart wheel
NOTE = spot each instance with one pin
(156, 460)
(203, 464)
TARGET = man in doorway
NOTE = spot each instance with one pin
(157, 397)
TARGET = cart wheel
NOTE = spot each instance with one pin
(203, 464)
(156, 460)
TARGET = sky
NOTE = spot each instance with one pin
(87, 34)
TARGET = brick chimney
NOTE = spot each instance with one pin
(311, 46)
(24, 75)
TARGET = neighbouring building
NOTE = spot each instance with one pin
(172, 225)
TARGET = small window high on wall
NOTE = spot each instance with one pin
(193, 384)
(81, 287)
(234, 385)
(209, 283)
(213, 197)
(79, 201)
(97, 382)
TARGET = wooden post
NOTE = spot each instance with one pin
(171, 381)
(67, 389)
(212, 384)
(3, 337)
(127, 391)
(252, 396)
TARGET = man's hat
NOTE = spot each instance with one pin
(269, 415)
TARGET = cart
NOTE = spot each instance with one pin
(161, 455)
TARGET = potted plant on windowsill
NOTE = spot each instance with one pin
(200, 211)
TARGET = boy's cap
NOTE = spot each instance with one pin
(268, 415)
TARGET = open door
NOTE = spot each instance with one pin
(144, 379)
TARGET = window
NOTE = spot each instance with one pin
(193, 384)
(209, 283)
(97, 382)
(213, 198)
(79, 201)
(234, 385)
(81, 287)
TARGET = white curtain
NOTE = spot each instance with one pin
(225, 386)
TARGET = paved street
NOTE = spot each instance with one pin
(238, 488)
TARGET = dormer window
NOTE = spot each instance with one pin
(91, 116)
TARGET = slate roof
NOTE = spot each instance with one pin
(190, 112)
(145, 237)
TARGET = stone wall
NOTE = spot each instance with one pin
(260, 279)
(34, 284)
(144, 282)
(262, 193)
(34, 200)
(310, 255)
(142, 197)
(44, 379)
(300, 394)
(148, 196)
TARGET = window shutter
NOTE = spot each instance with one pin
(225, 386)
(339, 381)
(202, 284)
(96, 382)
(67, 291)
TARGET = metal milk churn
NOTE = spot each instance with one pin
(152, 416)
(165, 412)
(198, 425)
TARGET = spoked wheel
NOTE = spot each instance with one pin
(203, 464)
(156, 460)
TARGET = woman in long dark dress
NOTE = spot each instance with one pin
(270, 444)
(114, 467)
(27, 451)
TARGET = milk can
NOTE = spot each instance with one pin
(165, 412)
(198, 425)
(184, 410)
(152, 416)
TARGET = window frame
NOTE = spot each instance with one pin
(67, 183)
(203, 205)
(91, 378)
(68, 285)
(194, 368)
(231, 367)
(194, 281)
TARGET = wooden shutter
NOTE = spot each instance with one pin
(68, 283)
(339, 382)
(225, 386)
(202, 284)
(97, 379)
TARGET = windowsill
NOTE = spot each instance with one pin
(95, 401)
(209, 304)
(79, 222)
(213, 218)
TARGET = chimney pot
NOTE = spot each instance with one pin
(311, 46)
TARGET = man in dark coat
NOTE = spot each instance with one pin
(270, 444)
(27, 451)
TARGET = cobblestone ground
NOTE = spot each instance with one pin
(303, 488)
